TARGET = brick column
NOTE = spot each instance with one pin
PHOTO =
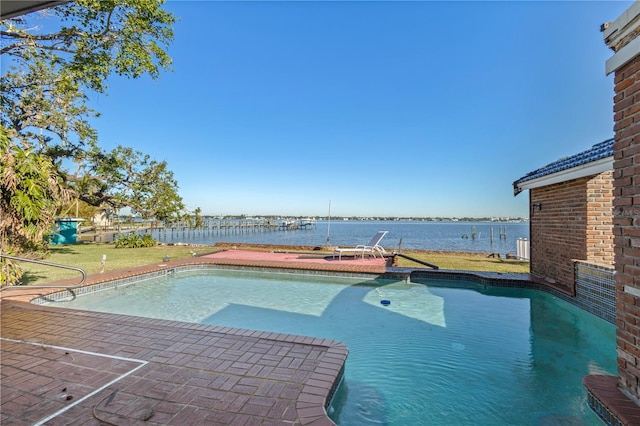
(626, 219)
(622, 37)
(616, 400)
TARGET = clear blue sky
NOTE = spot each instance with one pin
(382, 108)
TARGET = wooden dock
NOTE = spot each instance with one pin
(184, 230)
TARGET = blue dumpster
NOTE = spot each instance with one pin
(67, 230)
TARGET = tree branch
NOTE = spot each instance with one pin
(30, 43)
(66, 32)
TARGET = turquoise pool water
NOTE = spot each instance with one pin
(437, 355)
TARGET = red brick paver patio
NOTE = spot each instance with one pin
(86, 368)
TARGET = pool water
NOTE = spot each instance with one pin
(436, 355)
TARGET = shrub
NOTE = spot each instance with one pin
(135, 241)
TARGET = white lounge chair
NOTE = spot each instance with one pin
(372, 248)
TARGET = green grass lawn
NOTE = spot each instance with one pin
(89, 256)
(464, 261)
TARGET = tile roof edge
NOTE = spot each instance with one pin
(597, 152)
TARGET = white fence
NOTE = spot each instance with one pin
(523, 249)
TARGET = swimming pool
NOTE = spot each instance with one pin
(435, 355)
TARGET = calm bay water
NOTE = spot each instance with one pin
(445, 236)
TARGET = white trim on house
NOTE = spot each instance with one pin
(623, 56)
(616, 30)
(621, 36)
(588, 169)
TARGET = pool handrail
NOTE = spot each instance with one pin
(42, 262)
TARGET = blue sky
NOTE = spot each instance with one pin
(381, 108)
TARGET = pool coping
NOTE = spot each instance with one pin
(609, 402)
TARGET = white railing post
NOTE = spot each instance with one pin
(523, 249)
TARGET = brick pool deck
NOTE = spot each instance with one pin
(70, 367)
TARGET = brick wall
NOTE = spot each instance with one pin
(573, 222)
(627, 222)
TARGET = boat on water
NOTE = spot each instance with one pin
(307, 221)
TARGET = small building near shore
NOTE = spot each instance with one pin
(101, 218)
(571, 221)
